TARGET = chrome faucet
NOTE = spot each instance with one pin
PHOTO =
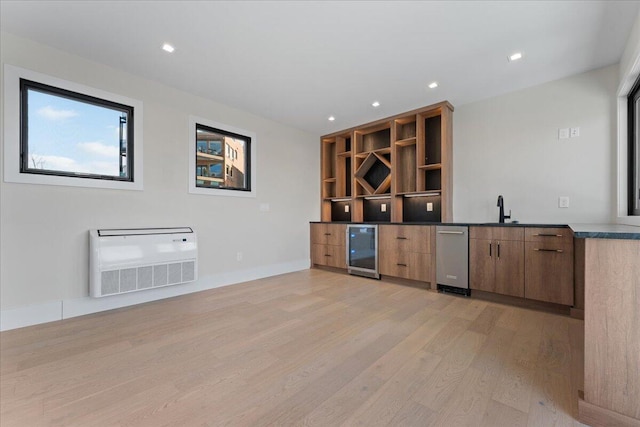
(501, 206)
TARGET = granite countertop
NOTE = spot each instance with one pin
(457, 224)
(605, 231)
(581, 231)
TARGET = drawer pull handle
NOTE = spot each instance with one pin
(490, 255)
(548, 250)
(401, 238)
(450, 232)
(401, 265)
(327, 255)
(327, 234)
(548, 235)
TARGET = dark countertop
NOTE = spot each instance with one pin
(457, 224)
(582, 231)
(605, 231)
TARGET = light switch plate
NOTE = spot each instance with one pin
(383, 207)
(346, 208)
(563, 133)
(429, 207)
(563, 202)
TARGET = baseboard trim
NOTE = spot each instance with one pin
(20, 317)
(597, 416)
(51, 311)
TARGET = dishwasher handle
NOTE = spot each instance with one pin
(451, 232)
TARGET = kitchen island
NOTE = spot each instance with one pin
(612, 325)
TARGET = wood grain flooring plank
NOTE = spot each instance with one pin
(305, 348)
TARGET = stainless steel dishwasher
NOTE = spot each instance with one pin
(452, 259)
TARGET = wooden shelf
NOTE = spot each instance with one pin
(431, 167)
(406, 142)
(387, 158)
(420, 194)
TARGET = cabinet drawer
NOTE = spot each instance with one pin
(408, 265)
(559, 236)
(328, 234)
(329, 255)
(406, 238)
(549, 272)
(496, 233)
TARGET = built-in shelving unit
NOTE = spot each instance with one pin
(396, 169)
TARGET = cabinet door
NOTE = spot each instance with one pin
(481, 265)
(549, 272)
(406, 238)
(408, 265)
(509, 256)
(335, 234)
(328, 234)
(328, 255)
(318, 234)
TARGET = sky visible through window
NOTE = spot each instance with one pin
(72, 136)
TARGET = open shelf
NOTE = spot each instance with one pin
(407, 141)
(405, 158)
(374, 174)
(433, 166)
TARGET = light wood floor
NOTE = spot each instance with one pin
(307, 348)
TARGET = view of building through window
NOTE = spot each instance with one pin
(222, 159)
(72, 135)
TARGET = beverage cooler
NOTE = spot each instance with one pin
(362, 250)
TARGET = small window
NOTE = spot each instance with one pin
(235, 164)
(70, 134)
(633, 103)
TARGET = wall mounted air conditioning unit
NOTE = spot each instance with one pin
(129, 260)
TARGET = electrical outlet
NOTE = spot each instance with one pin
(563, 202)
(264, 207)
(239, 256)
(563, 133)
(383, 207)
(346, 208)
(574, 132)
(429, 207)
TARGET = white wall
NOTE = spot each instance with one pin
(509, 145)
(43, 229)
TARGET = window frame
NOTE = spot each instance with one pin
(26, 84)
(250, 154)
(13, 129)
(633, 136)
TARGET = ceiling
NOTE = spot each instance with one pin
(298, 62)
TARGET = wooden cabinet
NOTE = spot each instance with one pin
(549, 265)
(407, 251)
(328, 245)
(397, 169)
(496, 260)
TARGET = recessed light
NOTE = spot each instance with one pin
(168, 48)
(515, 56)
(433, 85)
(375, 104)
(331, 118)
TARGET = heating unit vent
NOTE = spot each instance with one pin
(128, 260)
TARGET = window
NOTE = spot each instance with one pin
(62, 133)
(633, 103)
(221, 162)
(70, 134)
